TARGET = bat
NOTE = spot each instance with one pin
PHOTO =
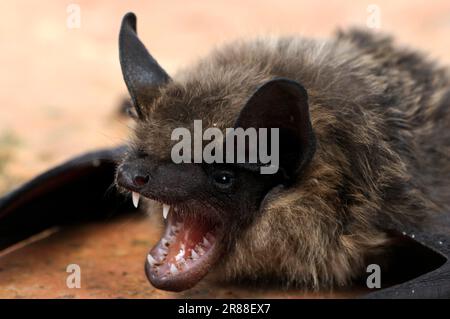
(364, 155)
(363, 148)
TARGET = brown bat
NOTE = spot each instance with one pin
(364, 147)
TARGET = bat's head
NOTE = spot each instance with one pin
(208, 203)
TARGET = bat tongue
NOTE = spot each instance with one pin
(189, 248)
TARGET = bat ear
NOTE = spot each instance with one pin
(283, 104)
(141, 72)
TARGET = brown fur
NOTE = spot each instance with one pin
(381, 116)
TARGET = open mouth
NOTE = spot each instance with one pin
(189, 247)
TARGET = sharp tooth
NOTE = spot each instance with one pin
(194, 254)
(206, 242)
(135, 196)
(199, 249)
(151, 260)
(166, 209)
(173, 269)
(180, 255)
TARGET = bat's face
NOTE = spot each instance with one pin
(204, 206)
(207, 205)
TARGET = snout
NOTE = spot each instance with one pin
(132, 176)
(161, 180)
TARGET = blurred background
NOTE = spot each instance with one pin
(61, 90)
(60, 77)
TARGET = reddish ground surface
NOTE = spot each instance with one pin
(59, 96)
(111, 258)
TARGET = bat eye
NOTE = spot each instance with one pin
(223, 180)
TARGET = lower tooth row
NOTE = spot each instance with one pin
(181, 261)
(163, 251)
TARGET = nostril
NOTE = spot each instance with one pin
(140, 181)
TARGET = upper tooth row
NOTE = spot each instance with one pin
(136, 196)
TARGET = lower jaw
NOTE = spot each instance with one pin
(187, 251)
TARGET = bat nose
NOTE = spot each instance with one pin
(131, 177)
(140, 181)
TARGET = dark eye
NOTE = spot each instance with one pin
(223, 179)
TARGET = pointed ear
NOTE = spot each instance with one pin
(283, 104)
(141, 72)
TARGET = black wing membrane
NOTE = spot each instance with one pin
(78, 190)
(424, 261)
